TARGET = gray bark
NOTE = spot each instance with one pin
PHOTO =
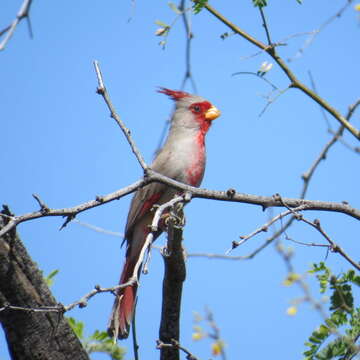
(175, 274)
(31, 335)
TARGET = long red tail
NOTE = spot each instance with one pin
(123, 308)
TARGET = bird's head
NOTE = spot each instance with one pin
(191, 111)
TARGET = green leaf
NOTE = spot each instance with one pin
(174, 8)
(199, 5)
(50, 278)
(100, 336)
(77, 327)
(299, 1)
(113, 350)
(162, 24)
(99, 341)
(337, 337)
(259, 3)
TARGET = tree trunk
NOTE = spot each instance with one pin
(31, 334)
(175, 273)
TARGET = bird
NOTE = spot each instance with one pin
(182, 158)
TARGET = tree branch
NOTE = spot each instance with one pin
(31, 334)
(175, 344)
(263, 201)
(101, 90)
(294, 82)
(175, 273)
(9, 30)
(316, 225)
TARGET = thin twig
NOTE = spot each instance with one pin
(316, 32)
(75, 210)
(101, 90)
(9, 30)
(43, 207)
(98, 229)
(188, 75)
(267, 32)
(81, 303)
(97, 290)
(313, 86)
(262, 228)
(134, 338)
(323, 153)
(154, 229)
(175, 344)
(274, 87)
(216, 256)
(316, 225)
(294, 82)
(322, 156)
(189, 36)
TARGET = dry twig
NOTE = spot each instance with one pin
(294, 82)
(10, 29)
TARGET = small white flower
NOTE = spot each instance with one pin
(265, 67)
(161, 31)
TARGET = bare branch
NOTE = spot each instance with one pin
(216, 256)
(175, 344)
(98, 229)
(316, 225)
(154, 229)
(262, 228)
(267, 32)
(294, 82)
(189, 36)
(316, 32)
(101, 90)
(9, 30)
(81, 303)
(308, 174)
(274, 87)
(43, 207)
(263, 201)
(73, 211)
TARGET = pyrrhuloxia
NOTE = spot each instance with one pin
(182, 158)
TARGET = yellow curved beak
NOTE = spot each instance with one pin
(212, 113)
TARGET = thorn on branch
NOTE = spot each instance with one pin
(99, 198)
(230, 193)
(100, 91)
(235, 244)
(44, 209)
(82, 304)
(305, 177)
(69, 218)
(277, 197)
(175, 345)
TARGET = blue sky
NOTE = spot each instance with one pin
(58, 141)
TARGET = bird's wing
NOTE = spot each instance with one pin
(143, 200)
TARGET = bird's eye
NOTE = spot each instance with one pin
(197, 108)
